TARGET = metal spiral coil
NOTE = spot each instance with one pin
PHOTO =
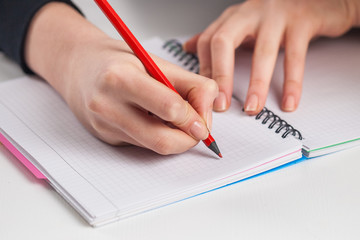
(274, 120)
(188, 60)
(191, 62)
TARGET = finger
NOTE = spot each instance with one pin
(138, 89)
(199, 91)
(264, 58)
(104, 121)
(201, 96)
(137, 127)
(223, 45)
(297, 41)
(203, 43)
(248, 43)
(190, 45)
(109, 132)
(153, 133)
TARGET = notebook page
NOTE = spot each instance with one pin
(14, 125)
(131, 179)
(329, 109)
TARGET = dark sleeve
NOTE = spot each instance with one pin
(15, 18)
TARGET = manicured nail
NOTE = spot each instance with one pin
(220, 102)
(289, 104)
(199, 130)
(252, 103)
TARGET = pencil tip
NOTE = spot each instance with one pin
(213, 146)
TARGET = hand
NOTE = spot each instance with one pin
(111, 93)
(291, 23)
(109, 90)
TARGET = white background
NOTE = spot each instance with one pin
(314, 199)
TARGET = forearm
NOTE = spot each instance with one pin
(15, 17)
(55, 33)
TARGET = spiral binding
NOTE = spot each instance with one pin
(188, 60)
(191, 62)
(273, 120)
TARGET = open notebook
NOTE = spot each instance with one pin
(105, 183)
(327, 117)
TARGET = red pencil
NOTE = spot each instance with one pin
(144, 57)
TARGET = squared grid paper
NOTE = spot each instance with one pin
(43, 156)
(105, 179)
(329, 109)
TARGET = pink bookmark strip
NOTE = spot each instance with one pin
(21, 158)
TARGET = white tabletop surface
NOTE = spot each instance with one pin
(314, 199)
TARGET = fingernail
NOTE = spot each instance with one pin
(198, 130)
(252, 103)
(289, 104)
(220, 102)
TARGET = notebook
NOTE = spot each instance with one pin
(327, 117)
(106, 183)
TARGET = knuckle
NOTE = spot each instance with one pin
(204, 40)
(106, 135)
(95, 104)
(300, 10)
(211, 86)
(294, 57)
(220, 38)
(171, 109)
(257, 84)
(292, 84)
(98, 127)
(162, 145)
(265, 49)
(113, 77)
(231, 10)
(183, 116)
(109, 79)
(222, 79)
(291, 54)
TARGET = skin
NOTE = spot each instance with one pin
(109, 90)
(268, 25)
(102, 81)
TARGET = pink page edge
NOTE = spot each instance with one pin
(21, 158)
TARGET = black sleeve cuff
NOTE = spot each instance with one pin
(15, 18)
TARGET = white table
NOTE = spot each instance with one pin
(314, 199)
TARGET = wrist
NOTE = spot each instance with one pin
(54, 35)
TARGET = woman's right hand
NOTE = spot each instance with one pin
(112, 95)
(109, 90)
